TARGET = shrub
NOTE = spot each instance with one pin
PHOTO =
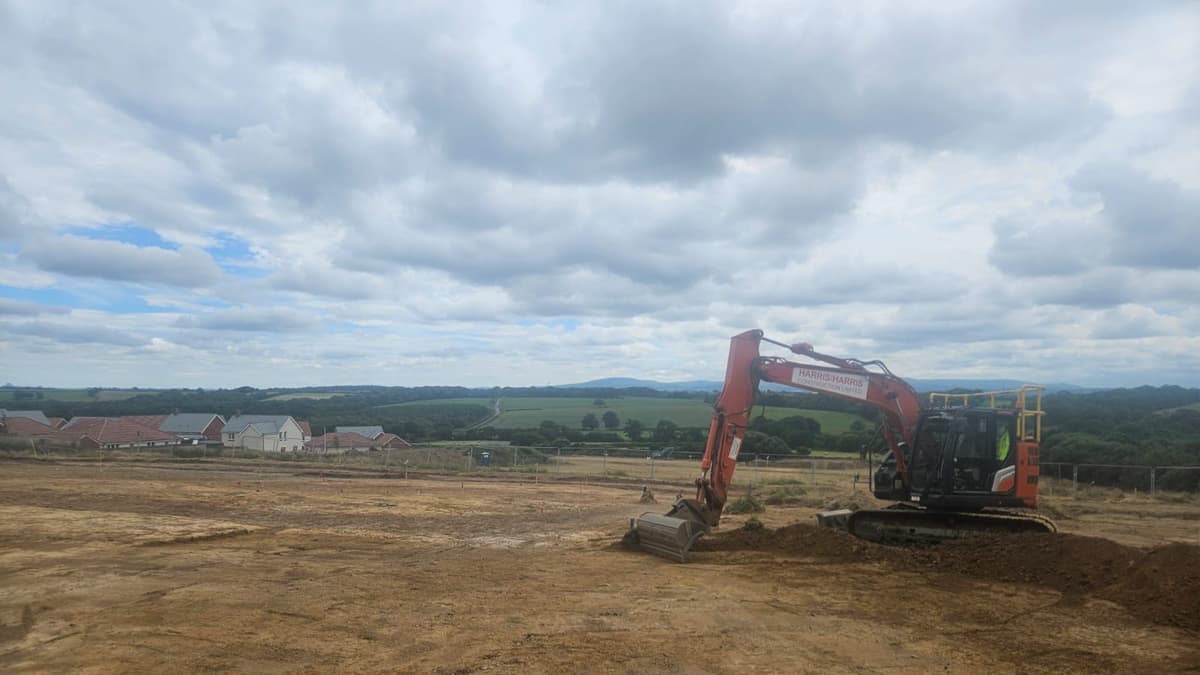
(747, 504)
(790, 494)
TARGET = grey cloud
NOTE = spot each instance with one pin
(667, 90)
(19, 308)
(1048, 249)
(14, 212)
(319, 279)
(1155, 222)
(670, 239)
(188, 267)
(1112, 286)
(76, 334)
(248, 319)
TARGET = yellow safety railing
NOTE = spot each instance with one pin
(1027, 400)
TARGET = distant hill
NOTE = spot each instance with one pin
(627, 382)
(922, 385)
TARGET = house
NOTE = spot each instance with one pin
(186, 426)
(24, 427)
(345, 441)
(266, 433)
(112, 433)
(35, 415)
(369, 432)
(194, 426)
(306, 428)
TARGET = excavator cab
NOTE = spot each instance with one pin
(955, 460)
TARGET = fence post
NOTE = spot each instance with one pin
(1152, 470)
(604, 463)
(651, 466)
(558, 463)
(1074, 477)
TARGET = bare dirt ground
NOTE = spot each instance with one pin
(178, 567)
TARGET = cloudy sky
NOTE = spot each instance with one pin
(284, 194)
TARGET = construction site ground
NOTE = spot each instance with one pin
(178, 566)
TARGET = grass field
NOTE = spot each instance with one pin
(522, 413)
(312, 396)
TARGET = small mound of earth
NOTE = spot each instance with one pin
(1067, 563)
(1161, 585)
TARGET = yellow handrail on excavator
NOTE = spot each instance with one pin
(1027, 399)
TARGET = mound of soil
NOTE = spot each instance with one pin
(1068, 563)
(1161, 585)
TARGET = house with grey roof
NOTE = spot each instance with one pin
(367, 432)
(35, 415)
(194, 426)
(265, 433)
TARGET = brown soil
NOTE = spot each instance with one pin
(149, 567)
(1161, 585)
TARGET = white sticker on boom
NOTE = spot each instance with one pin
(734, 448)
(845, 384)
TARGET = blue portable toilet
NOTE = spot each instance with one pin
(485, 459)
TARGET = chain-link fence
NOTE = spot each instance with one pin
(1130, 477)
(665, 467)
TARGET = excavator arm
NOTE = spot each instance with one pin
(897, 402)
(673, 534)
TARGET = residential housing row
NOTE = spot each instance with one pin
(263, 433)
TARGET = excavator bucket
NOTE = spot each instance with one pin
(671, 535)
(667, 536)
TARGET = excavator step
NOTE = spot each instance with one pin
(667, 536)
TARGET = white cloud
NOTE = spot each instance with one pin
(527, 193)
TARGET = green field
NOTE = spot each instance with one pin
(313, 396)
(525, 413)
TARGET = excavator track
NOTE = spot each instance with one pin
(924, 526)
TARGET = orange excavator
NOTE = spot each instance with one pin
(961, 464)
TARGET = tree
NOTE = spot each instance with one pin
(549, 429)
(665, 431)
(526, 437)
(590, 422)
(611, 421)
(599, 403)
(757, 443)
(634, 428)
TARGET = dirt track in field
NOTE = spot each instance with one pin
(170, 568)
